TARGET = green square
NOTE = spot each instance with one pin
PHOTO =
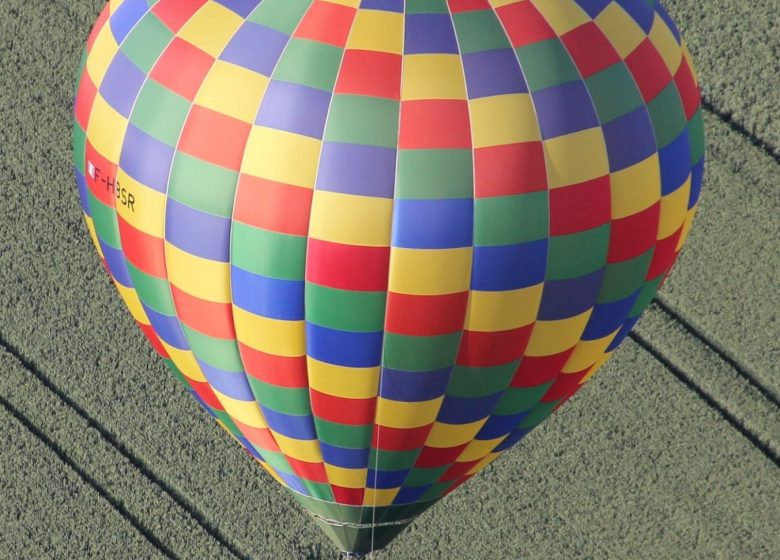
(624, 278)
(424, 476)
(345, 310)
(577, 254)
(268, 253)
(546, 64)
(286, 400)
(538, 415)
(434, 174)
(696, 137)
(220, 353)
(309, 63)
(475, 382)
(318, 490)
(277, 460)
(152, 291)
(343, 435)
(427, 7)
(392, 460)
(146, 42)
(646, 295)
(520, 399)
(202, 185)
(613, 92)
(479, 31)
(507, 220)
(420, 353)
(358, 119)
(666, 112)
(104, 220)
(79, 143)
(160, 113)
(282, 15)
(437, 490)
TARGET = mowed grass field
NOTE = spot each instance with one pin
(670, 452)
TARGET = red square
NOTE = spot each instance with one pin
(327, 23)
(580, 207)
(272, 206)
(153, 339)
(308, 471)
(458, 6)
(399, 439)
(370, 73)
(100, 174)
(457, 470)
(648, 69)
(537, 370)
(85, 97)
(182, 68)
(664, 254)
(524, 24)
(590, 49)
(101, 21)
(415, 315)
(175, 13)
(282, 371)
(347, 267)
(488, 349)
(432, 457)
(214, 137)
(633, 235)
(348, 496)
(352, 412)
(146, 252)
(203, 390)
(689, 91)
(207, 317)
(509, 169)
(437, 123)
(565, 386)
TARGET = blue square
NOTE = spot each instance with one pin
(384, 5)
(508, 267)
(593, 7)
(564, 109)
(294, 108)
(493, 73)
(414, 386)
(255, 47)
(433, 223)
(125, 18)
(357, 169)
(675, 163)
(146, 159)
(430, 33)
(460, 410)
(630, 139)
(121, 84)
(241, 7)
(641, 11)
(562, 299)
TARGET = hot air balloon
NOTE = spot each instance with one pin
(380, 241)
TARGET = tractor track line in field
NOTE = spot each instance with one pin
(112, 440)
(727, 119)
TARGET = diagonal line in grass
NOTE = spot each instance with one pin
(112, 440)
(686, 380)
(95, 485)
(727, 119)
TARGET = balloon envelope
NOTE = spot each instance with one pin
(381, 241)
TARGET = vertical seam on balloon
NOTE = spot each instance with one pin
(230, 252)
(308, 237)
(380, 382)
(165, 212)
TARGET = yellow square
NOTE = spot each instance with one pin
(451, 435)
(430, 272)
(202, 278)
(343, 381)
(504, 310)
(433, 76)
(93, 235)
(635, 188)
(587, 353)
(103, 51)
(346, 478)
(562, 15)
(348, 3)
(478, 449)
(211, 28)
(553, 337)
(674, 209)
(272, 336)
(375, 30)
(620, 29)
(185, 362)
(666, 45)
(595, 367)
(499, 3)
(148, 210)
(130, 297)
(484, 463)
(401, 414)
(576, 158)
(503, 119)
(106, 129)
(351, 219)
(232, 90)
(281, 156)
(379, 497)
(307, 450)
(246, 412)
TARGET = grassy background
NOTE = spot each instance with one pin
(670, 452)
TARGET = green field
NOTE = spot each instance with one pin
(670, 452)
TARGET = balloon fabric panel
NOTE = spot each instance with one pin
(381, 241)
